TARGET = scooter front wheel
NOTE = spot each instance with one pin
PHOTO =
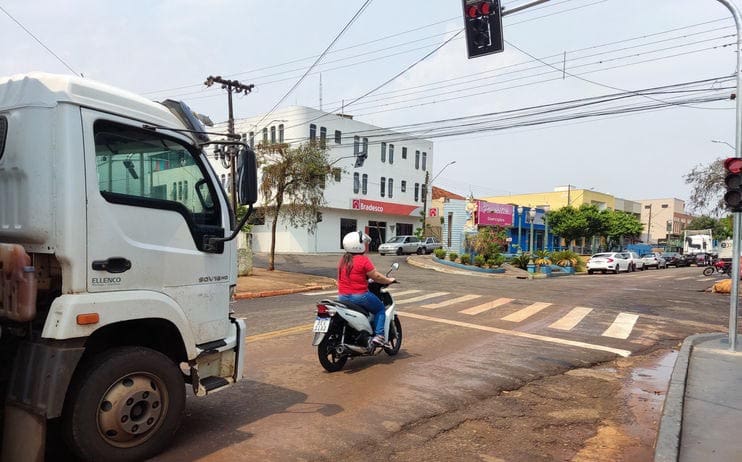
(328, 355)
(708, 271)
(395, 337)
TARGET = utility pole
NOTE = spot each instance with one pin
(237, 87)
(649, 222)
(425, 199)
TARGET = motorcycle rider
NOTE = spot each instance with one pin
(354, 270)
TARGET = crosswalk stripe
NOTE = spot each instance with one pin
(324, 292)
(486, 306)
(526, 312)
(405, 292)
(514, 333)
(571, 319)
(452, 301)
(421, 298)
(622, 326)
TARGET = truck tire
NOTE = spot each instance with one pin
(124, 405)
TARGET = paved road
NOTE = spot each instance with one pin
(465, 339)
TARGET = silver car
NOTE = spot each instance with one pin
(400, 245)
(429, 244)
(654, 260)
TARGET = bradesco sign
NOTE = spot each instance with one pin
(383, 207)
(489, 214)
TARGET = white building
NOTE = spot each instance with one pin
(384, 197)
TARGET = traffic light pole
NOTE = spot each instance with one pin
(736, 216)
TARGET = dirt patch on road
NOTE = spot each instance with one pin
(608, 412)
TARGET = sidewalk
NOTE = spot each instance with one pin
(264, 283)
(702, 414)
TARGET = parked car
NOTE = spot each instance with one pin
(608, 261)
(635, 261)
(703, 259)
(654, 260)
(429, 244)
(674, 259)
(400, 245)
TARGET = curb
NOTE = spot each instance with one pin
(667, 445)
(273, 293)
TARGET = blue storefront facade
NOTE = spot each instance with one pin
(520, 232)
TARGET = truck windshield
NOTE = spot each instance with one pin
(150, 166)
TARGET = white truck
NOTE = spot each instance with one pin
(117, 266)
(697, 241)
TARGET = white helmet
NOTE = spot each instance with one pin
(355, 242)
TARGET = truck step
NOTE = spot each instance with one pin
(214, 383)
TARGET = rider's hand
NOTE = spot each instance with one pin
(392, 280)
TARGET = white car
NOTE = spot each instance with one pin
(608, 261)
(654, 260)
(399, 245)
(635, 261)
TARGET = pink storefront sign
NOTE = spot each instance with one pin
(489, 214)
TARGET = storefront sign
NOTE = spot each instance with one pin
(489, 214)
(383, 207)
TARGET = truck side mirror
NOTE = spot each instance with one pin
(247, 175)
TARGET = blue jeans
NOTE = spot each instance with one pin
(373, 304)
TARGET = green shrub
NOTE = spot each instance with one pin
(464, 259)
(521, 261)
(440, 254)
(496, 261)
(479, 260)
(453, 256)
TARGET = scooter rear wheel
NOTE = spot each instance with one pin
(708, 271)
(327, 353)
(395, 338)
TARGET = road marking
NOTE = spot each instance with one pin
(686, 278)
(452, 301)
(421, 298)
(405, 292)
(665, 277)
(622, 326)
(571, 319)
(703, 280)
(486, 306)
(543, 338)
(324, 292)
(279, 333)
(526, 312)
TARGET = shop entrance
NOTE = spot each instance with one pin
(347, 225)
(377, 232)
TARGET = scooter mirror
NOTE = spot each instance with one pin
(395, 266)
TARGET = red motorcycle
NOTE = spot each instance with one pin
(720, 266)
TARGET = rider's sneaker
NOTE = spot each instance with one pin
(378, 340)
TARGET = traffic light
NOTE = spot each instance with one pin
(483, 24)
(733, 180)
(360, 158)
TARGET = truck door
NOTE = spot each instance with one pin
(151, 200)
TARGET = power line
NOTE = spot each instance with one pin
(40, 42)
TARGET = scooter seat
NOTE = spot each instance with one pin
(354, 307)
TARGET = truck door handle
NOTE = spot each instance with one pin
(112, 265)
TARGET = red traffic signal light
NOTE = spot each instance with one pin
(485, 8)
(733, 164)
(733, 182)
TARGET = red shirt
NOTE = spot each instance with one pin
(357, 281)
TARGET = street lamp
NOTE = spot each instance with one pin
(520, 233)
(425, 192)
(649, 222)
(546, 229)
(531, 219)
(723, 142)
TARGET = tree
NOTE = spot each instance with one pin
(568, 223)
(597, 221)
(292, 185)
(720, 228)
(622, 225)
(707, 188)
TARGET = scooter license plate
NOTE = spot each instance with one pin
(321, 325)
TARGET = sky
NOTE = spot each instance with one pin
(166, 49)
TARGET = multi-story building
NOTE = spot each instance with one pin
(383, 197)
(663, 219)
(569, 195)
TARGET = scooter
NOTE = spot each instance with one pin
(720, 266)
(343, 330)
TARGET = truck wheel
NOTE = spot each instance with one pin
(124, 405)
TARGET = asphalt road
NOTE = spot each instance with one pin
(454, 356)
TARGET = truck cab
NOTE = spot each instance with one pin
(109, 205)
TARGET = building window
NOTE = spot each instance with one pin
(364, 184)
(417, 191)
(338, 137)
(403, 186)
(425, 160)
(365, 146)
(391, 188)
(312, 133)
(391, 153)
(404, 152)
(356, 183)
(280, 133)
(382, 186)
(322, 137)
(265, 135)
(383, 152)
(336, 172)
(252, 139)
(664, 206)
(417, 160)
(273, 134)
(356, 145)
